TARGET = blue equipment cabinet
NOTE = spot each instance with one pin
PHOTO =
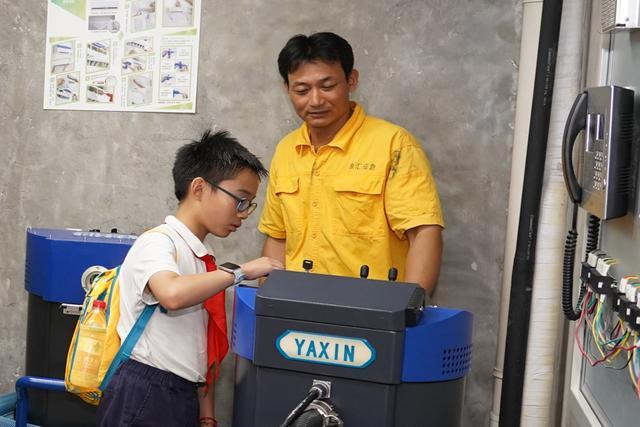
(389, 361)
(54, 265)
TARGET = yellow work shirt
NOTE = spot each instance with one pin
(351, 202)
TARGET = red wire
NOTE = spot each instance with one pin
(581, 348)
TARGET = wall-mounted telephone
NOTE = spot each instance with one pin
(606, 116)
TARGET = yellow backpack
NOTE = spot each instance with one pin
(106, 287)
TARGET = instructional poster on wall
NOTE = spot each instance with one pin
(122, 55)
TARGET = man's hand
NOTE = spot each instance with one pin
(274, 248)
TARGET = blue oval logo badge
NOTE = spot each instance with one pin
(325, 349)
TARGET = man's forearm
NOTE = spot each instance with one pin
(274, 248)
(424, 257)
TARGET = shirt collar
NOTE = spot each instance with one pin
(344, 135)
(198, 247)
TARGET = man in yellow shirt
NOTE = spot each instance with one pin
(347, 189)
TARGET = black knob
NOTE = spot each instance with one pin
(393, 274)
(307, 265)
(364, 271)
(114, 230)
(94, 230)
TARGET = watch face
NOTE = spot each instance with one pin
(229, 266)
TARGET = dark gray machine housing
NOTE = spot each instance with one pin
(271, 385)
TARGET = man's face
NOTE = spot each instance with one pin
(319, 92)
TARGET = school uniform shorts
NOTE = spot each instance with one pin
(140, 395)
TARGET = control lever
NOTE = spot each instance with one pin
(364, 271)
(393, 274)
(307, 265)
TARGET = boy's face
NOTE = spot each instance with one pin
(220, 215)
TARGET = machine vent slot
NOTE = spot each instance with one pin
(625, 132)
(27, 273)
(626, 127)
(456, 360)
(625, 180)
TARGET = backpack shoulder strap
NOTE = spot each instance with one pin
(124, 353)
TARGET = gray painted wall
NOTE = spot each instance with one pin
(440, 69)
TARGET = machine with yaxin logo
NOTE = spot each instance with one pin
(326, 350)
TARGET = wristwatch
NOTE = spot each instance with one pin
(234, 269)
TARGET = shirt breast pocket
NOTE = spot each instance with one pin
(359, 206)
(288, 191)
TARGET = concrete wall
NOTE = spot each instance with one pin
(440, 69)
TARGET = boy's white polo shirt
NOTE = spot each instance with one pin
(175, 341)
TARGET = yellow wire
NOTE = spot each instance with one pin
(622, 344)
(600, 339)
(632, 373)
(596, 339)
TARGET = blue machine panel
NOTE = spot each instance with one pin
(438, 348)
(56, 259)
(244, 321)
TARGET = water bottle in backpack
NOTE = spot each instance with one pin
(90, 347)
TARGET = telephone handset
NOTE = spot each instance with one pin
(606, 116)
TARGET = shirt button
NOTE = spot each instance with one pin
(315, 204)
(314, 235)
(317, 173)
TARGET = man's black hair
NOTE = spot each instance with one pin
(215, 157)
(327, 47)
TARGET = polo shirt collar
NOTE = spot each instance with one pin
(198, 247)
(344, 135)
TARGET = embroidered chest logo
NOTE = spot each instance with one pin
(362, 166)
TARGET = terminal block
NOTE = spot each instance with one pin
(598, 283)
(628, 312)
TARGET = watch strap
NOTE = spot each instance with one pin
(239, 275)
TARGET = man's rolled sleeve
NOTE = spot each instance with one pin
(411, 196)
(271, 220)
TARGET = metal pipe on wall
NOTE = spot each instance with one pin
(524, 258)
(542, 379)
(540, 386)
(531, 17)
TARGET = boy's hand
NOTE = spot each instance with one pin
(260, 267)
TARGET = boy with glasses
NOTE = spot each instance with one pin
(168, 379)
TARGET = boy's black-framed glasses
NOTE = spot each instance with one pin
(244, 204)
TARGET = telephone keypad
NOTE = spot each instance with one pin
(599, 170)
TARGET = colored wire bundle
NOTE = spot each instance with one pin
(634, 367)
(610, 339)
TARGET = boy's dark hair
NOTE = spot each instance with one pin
(328, 47)
(215, 157)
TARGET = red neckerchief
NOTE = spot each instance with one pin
(217, 341)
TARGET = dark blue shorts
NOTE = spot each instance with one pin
(141, 395)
